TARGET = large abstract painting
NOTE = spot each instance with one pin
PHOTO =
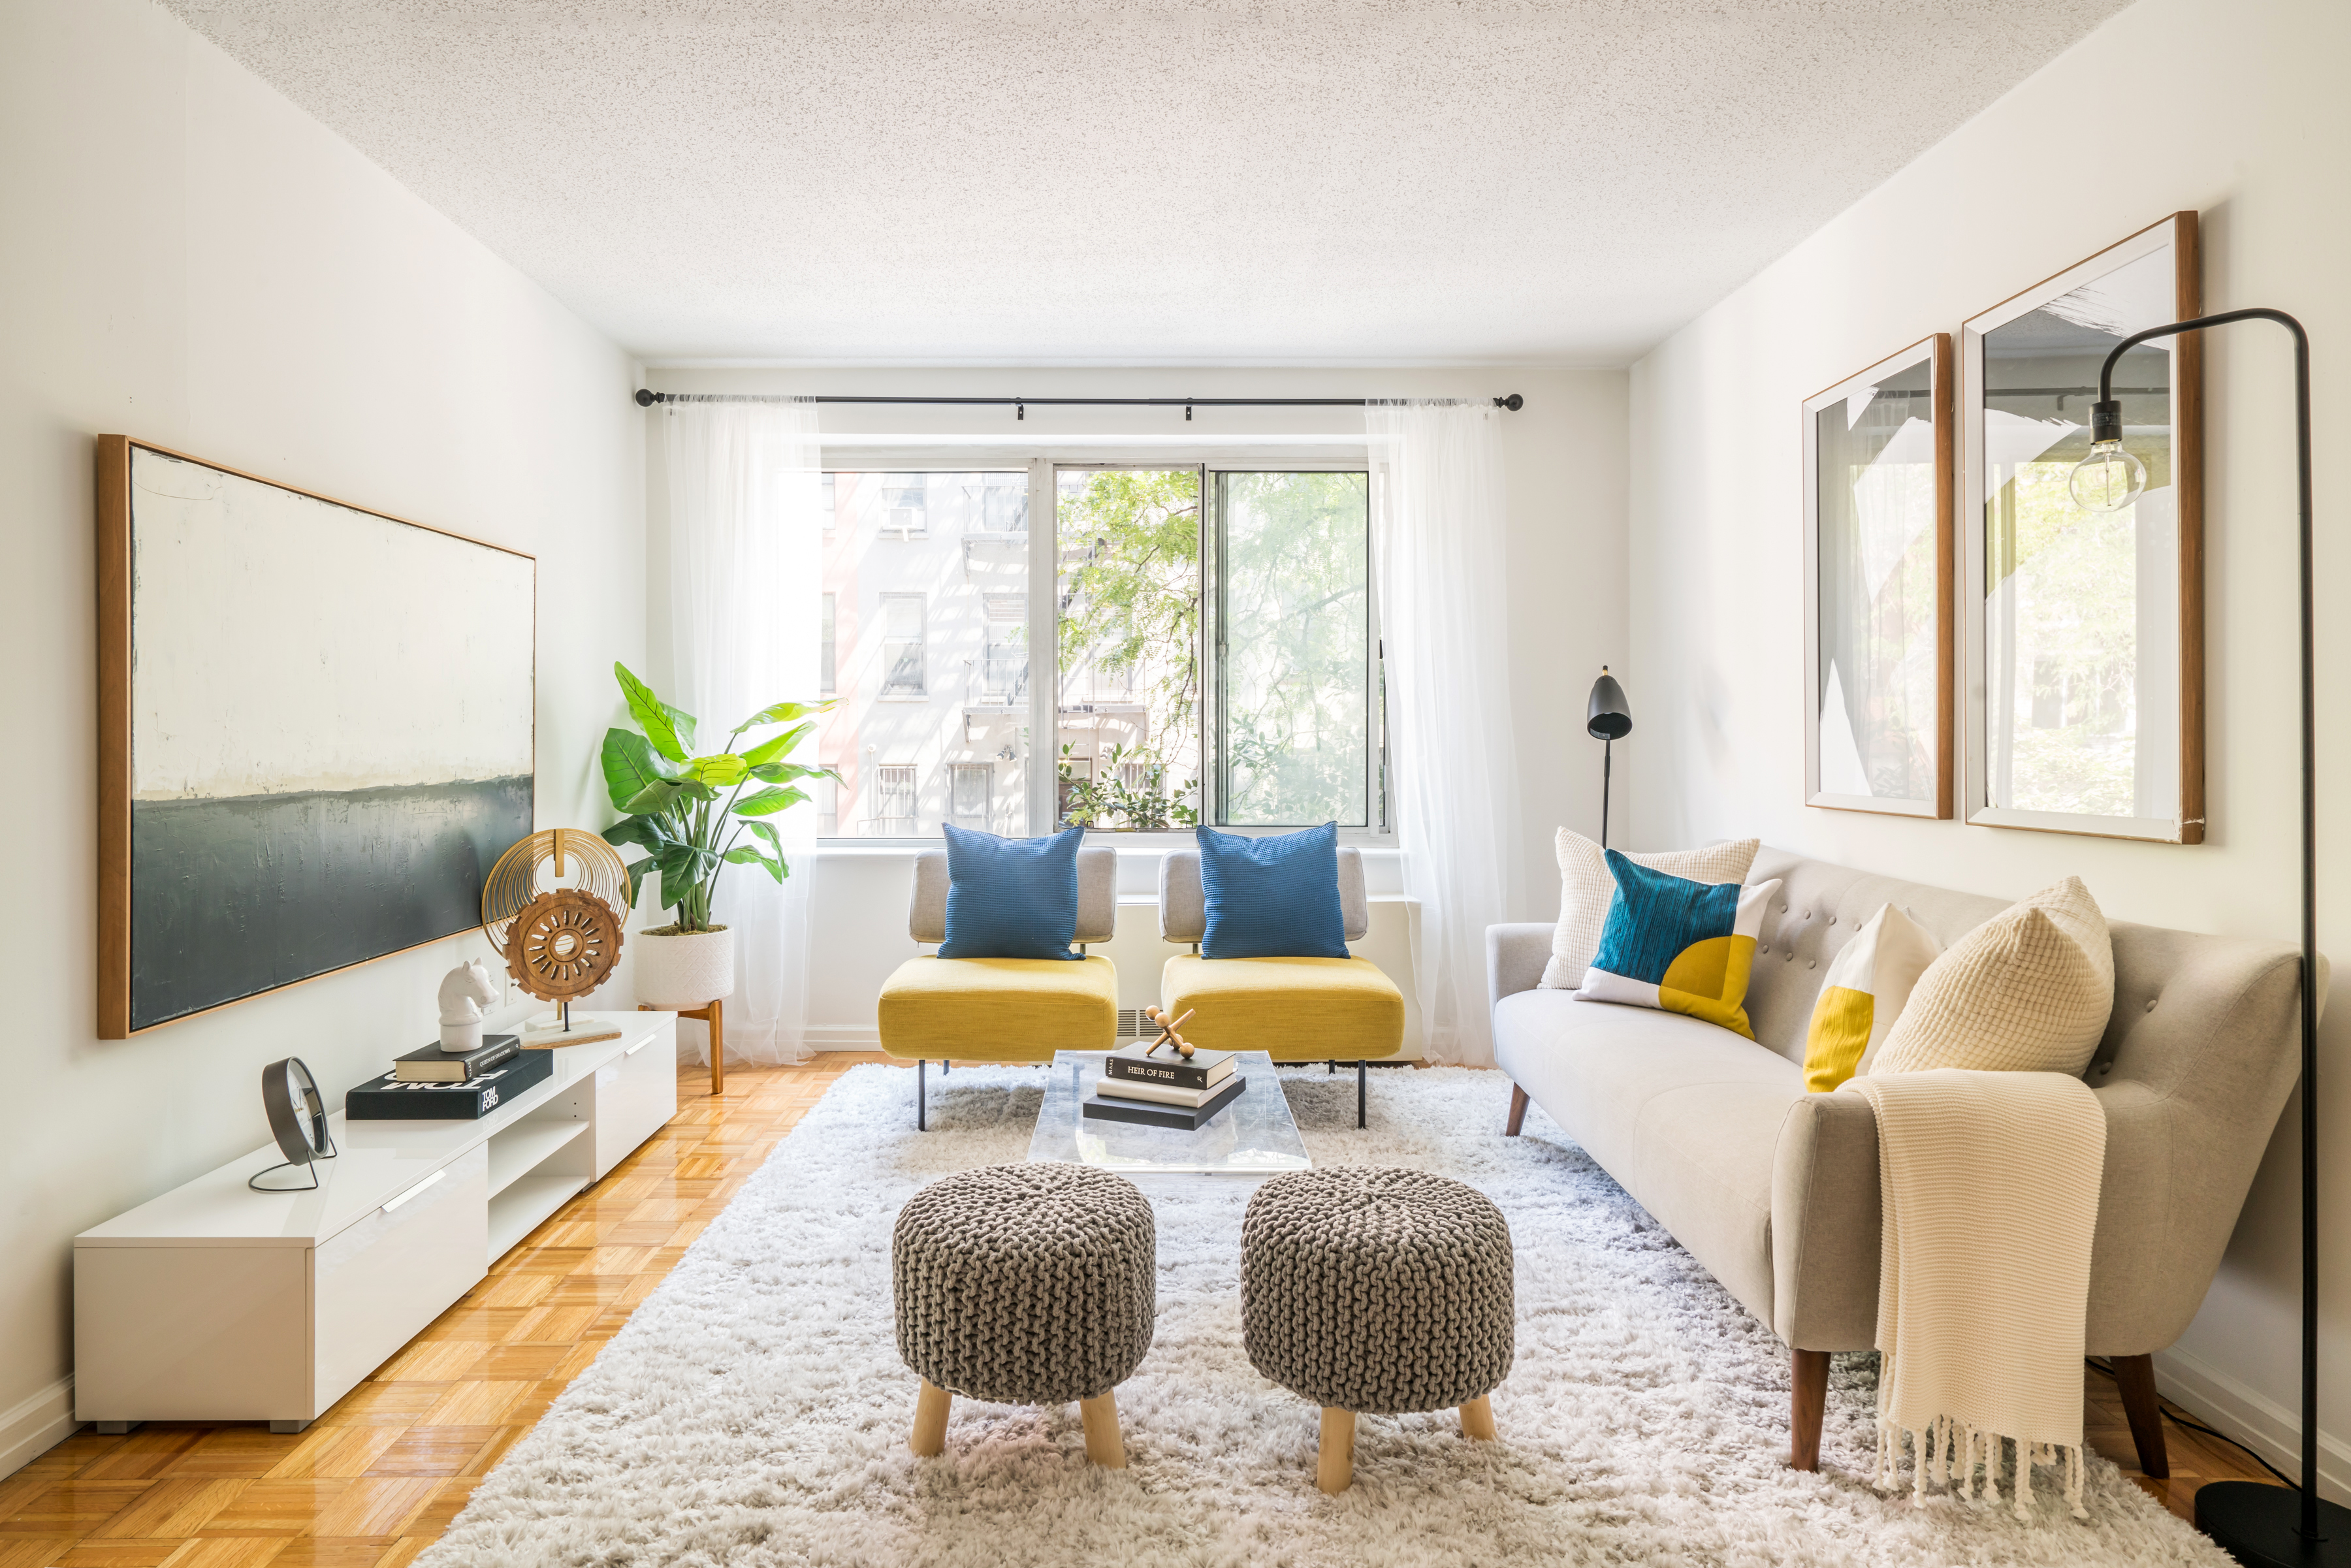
(2085, 657)
(1877, 587)
(316, 733)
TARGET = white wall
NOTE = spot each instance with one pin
(1564, 452)
(2238, 111)
(187, 258)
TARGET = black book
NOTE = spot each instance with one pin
(1202, 1070)
(1178, 1116)
(387, 1098)
(436, 1065)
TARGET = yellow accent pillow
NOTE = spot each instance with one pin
(1868, 985)
(2030, 990)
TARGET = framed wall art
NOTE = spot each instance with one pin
(315, 733)
(1877, 587)
(2084, 685)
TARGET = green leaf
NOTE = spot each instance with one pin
(663, 794)
(767, 803)
(638, 871)
(720, 769)
(684, 869)
(784, 713)
(776, 748)
(683, 722)
(785, 772)
(646, 832)
(768, 831)
(747, 855)
(651, 713)
(629, 766)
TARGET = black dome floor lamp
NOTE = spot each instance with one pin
(1606, 718)
(2257, 1523)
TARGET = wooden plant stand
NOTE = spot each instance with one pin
(715, 1015)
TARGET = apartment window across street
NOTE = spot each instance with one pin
(895, 787)
(1212, 652)
(828, 671)
(902, 645)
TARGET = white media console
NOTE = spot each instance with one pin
(215, 1302)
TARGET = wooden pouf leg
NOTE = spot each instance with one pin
(1336, 1471)
(1477, 1420)
(1103, 1446)
(930, 1420)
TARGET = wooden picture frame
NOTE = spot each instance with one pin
(1878, 544)
(316, 730)
(2083, 708)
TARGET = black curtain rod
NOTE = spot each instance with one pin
(646, 398)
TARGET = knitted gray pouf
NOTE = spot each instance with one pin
(1376, 1290)
(1025, 1284)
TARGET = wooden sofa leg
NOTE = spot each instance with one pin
(1518, 1112)
(2134, 1377)
(1807, 1404)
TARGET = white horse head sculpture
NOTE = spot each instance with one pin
(465, 991)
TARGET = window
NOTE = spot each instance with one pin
(929, 653)
(902, 645)
(970, 788)
(895, 786)
(827, 808)
(1294, 720)
(827, 671)
(1211, 653)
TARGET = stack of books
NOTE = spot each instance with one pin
(1165, 1089)
(438, 1064)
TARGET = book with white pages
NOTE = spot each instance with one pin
(1159, 1093)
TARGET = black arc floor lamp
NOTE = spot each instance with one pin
(2256, 1524)
(1606, 718)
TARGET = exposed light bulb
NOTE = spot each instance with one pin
(2109, 478)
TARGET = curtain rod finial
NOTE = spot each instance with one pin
(647, 397)
(1513, 403)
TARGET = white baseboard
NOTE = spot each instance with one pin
(35, 1426)
(2252, 1417)
(843, 1037)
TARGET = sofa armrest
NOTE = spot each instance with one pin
(1825, 1225)
(1516, 955)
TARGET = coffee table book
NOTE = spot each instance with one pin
(387, 1098)
(1203, 1070)
(1187, 1119)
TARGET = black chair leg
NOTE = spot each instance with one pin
(1363, 1072)
(921, 1082)
(945, 1065)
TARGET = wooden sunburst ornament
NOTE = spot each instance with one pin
(560, 942)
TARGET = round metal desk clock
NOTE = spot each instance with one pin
(298, 1119)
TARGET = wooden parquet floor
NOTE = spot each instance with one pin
(380, 1475)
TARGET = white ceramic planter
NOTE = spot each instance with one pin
(685, 971)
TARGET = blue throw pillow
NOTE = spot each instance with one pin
(1272, 898)
(1679, 946)
(1011, 898)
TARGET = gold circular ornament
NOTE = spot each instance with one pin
(594, 866)
(562, 945)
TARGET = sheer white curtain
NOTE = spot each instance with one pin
(1453, 777)
(745, 516)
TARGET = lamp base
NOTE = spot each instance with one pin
(2260, 1525)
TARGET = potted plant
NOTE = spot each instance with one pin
(691, 814)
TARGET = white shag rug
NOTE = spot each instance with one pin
(753, 1409)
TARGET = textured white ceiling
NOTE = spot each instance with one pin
(1141, 180)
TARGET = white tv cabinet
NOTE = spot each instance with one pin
(215, 1302)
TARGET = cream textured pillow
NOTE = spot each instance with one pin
(2029, 990)
(1586, 888)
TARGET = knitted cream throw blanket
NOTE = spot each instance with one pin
(1990, 1185)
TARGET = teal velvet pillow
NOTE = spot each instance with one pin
(1273, 897)
(1011, 898)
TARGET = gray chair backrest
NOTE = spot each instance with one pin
(1184, 906)
(926, 917)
